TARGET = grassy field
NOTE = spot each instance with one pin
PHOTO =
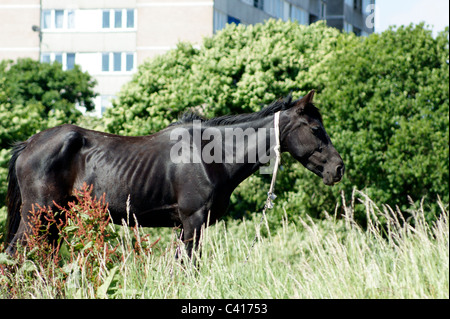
(332, 258)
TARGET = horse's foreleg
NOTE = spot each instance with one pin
(192, 230)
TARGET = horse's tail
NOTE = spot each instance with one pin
(13, 196)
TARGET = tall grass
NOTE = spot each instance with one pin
(332, 258)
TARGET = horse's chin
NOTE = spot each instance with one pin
(327, 179)
(330, 181)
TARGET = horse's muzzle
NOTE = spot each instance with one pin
(333, 177)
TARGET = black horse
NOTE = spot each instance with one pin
(166, 189)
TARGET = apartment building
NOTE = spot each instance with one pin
(355, 16)
(110, 38)
(17, 39)
(347, 15)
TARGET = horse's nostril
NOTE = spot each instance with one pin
(339, 170)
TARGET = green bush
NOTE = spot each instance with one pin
(385, 103)
(30, 82)
(384, 100)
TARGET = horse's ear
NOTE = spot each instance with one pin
(307, 99)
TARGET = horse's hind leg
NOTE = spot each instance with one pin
(27, 225)
(25, 229)
(19, 237)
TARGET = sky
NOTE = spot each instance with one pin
(403, 12)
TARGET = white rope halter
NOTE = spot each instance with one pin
(270, 195)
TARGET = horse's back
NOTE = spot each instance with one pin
(59, 160)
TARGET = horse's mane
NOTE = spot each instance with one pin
(278, 105)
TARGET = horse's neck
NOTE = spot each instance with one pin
(255, 150)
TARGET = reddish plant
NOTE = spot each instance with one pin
(80, 233)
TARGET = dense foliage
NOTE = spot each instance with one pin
(30, 82)
(384, 100)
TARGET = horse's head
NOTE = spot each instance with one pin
(304, 136)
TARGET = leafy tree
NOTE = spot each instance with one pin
(30, 82)
(384, 100)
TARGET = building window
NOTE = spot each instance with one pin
(105, 62)
(67, 60)
(220, 20)
(357, 31)
(323, 10)
(234, 20)
(46, 58)
(299, 15)
(105, 19)
(349, 2)
(70, 64)
(357, 5)
(313, 18)
(118, 19)
(105, 102)
(121, 61)
(129, 61)
(58, 19)
(59, 58)
(275, 8)
(258, 4)
(46, 19)
(130, 18)
(348, 27)
(71, 19)
(367, 6)
(117, 59)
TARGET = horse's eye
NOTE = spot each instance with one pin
(315, 129)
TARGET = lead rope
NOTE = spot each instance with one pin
(270, 195)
